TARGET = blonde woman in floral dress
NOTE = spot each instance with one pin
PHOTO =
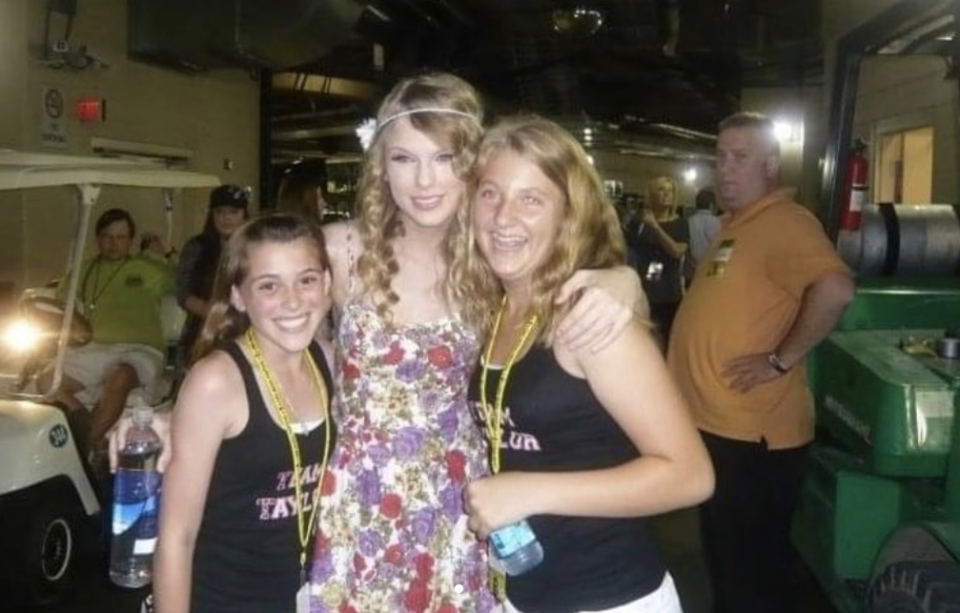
(392, 532)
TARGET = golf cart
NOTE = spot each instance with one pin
(49, 503)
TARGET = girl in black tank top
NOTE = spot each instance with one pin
(251, 430)
(584, 442)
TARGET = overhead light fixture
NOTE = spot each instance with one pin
(577, 21)
(788, 131)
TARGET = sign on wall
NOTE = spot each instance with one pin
(53, 125)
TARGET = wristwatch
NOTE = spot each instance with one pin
(774, 360)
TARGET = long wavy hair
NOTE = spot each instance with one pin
(589, 236)
(224, 322)
(378, 220)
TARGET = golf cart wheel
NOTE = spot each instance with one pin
(51, 549)
(916, 587)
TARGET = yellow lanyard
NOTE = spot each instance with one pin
(304, 528)
(493, 416)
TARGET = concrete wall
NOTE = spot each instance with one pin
(214, 116)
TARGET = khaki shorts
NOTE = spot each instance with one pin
(89, 365)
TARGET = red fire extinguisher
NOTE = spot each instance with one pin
(854, 188)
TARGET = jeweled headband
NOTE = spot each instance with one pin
(368, 129)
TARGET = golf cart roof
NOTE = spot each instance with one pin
(20, 170)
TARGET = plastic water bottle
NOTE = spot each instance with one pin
(136, 503)
(516, 548)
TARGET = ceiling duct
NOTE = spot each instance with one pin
(196, 36)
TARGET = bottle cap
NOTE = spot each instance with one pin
(142, 415)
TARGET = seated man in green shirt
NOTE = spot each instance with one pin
(120, 295)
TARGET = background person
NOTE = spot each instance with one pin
(702, 224)
(660, 244)
(587, 442)
(200, 258)
(769, 288)
(303, 194)
(120, 296)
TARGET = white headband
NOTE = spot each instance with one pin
(368, 128)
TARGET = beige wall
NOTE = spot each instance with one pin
(898, 93)
(213, 115)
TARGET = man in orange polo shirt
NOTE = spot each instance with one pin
(767, 291)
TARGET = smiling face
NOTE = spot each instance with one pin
(420, 175)
(517, 216)
(285, 293)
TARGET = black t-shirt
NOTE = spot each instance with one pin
(247, 558)
(555, 424)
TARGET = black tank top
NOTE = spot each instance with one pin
(247, 557)
(555, 423)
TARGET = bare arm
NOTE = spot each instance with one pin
(608, 301)
(343, 247)
(822, 305)
(205, 414)
(631, 381)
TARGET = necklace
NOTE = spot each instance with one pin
(99, 290)
(493, 416)
(305, 525)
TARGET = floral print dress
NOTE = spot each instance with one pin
(392, 535)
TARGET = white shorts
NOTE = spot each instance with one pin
(90, 364)
(662, 600)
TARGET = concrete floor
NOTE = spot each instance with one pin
(678, 536)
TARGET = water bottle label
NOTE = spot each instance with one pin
(136, 503)
(508, 540)
(144, 546)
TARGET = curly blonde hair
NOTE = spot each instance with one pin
(378, 221)
(590, 235)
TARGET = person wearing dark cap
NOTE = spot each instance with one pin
(200, 258)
